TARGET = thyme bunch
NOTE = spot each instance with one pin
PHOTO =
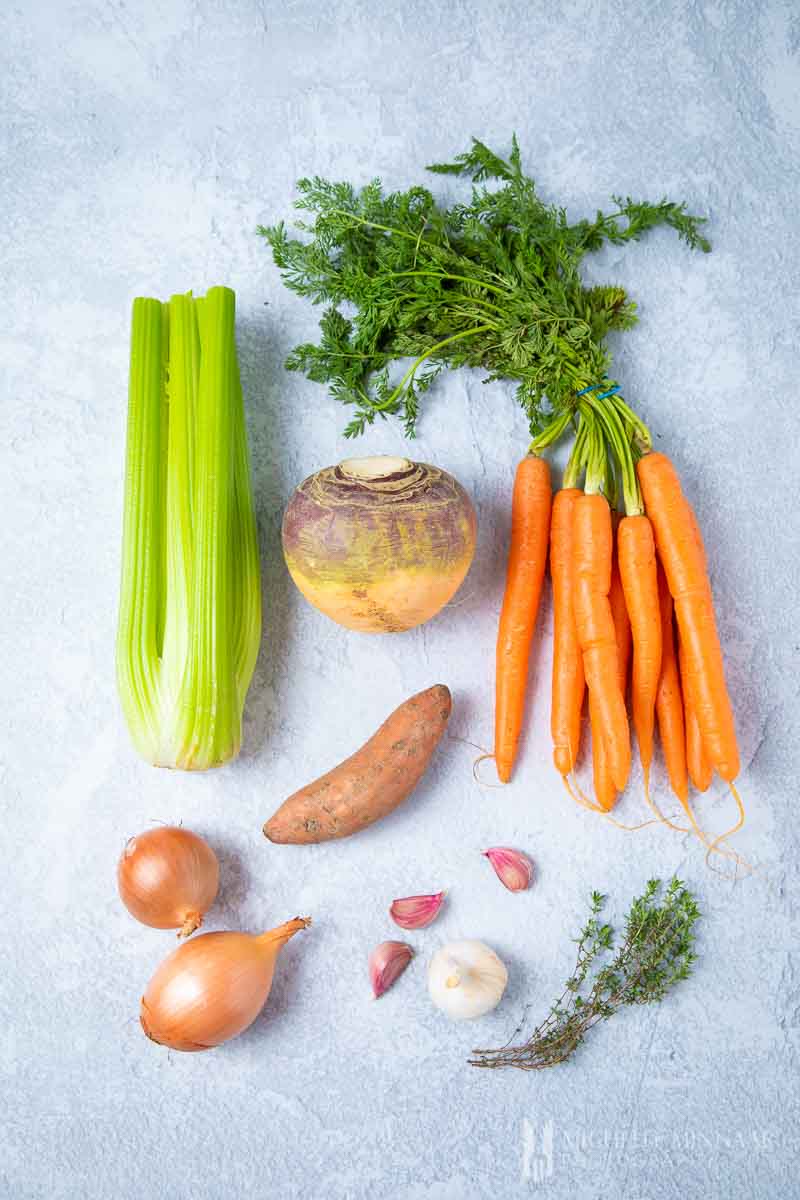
(656, 953)
(493, 282)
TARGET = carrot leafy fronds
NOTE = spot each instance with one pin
(493, 282)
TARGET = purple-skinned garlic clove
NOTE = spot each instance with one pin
(386, 964)
(513, 868)
(415, 912)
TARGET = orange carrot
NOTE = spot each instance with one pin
(669, 701)
(530, 524)
(591, 559)
(622, 625)
(700, 769)
(684, 564)
(698, 537)
(568, 681)
(604, 789)
(637, 564)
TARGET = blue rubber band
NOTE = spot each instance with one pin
(593, 388)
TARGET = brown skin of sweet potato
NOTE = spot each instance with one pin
(373, 781)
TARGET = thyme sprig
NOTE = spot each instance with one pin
(493, 283)
(657, 952)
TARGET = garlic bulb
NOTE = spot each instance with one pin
(466, 979)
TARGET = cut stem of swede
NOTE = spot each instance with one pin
(376, 468)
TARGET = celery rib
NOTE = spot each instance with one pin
(190, 604)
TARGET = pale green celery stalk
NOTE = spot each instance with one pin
(190, 606)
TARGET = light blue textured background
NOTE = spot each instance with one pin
(141, 145)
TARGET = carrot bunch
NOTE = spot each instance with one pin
(627, 589)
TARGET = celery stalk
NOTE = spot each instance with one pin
(190, 602)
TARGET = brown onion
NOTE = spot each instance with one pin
(211, 988)
(168, 878)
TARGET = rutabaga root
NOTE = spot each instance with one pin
(379, 544)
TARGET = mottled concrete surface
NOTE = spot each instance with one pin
(141, 145)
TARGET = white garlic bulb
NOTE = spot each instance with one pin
(466, 979)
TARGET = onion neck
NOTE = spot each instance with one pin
(280, 936)
(191, 921)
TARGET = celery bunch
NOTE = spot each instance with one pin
(190, 604)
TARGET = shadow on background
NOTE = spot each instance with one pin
(234, 883)
(262, 371)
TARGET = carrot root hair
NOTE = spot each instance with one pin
(580, 797)
(629, 828)
(575, 790)
(484, 754)
(455, 737)
(482, 782)
(651, 804)
(716, 846)
(711, 847)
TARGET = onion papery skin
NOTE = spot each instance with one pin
(168, 878)
(212, 988)
(379, 552)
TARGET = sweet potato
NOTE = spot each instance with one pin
(373, 781)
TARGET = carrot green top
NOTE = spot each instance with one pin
(492, 282)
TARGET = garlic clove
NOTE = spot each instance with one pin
(466, 979)
(386, 964)
(415, 912)
(513, 868)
